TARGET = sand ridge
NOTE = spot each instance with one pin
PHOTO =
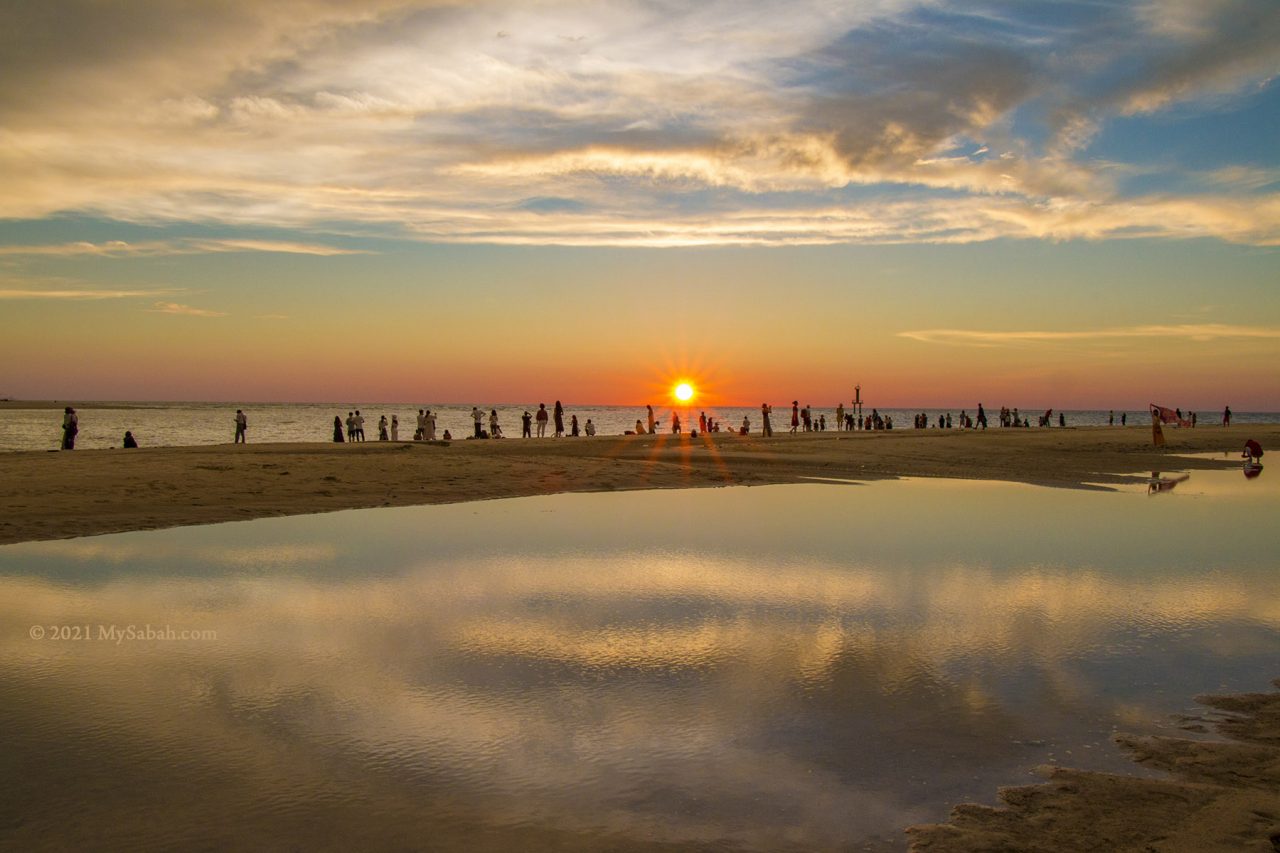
(54, 495)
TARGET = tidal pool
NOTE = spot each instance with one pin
(785, 667)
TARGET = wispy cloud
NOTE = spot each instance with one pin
(85, 294)
(1188, 331)
(184, 310)
(121, 248)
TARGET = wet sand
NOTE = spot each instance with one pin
(55, 495)
(1221, 795)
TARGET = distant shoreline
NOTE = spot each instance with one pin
(1207, 414)
(57, 495)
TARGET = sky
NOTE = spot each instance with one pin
(1067, 204)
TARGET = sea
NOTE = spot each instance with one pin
(167, 424)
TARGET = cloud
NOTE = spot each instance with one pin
(85, 294)
(120, 248)
(184, 310)
(601, 120)
(1190, 331)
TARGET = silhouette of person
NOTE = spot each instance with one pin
(242, 424)
(337, 429)
(70, 427)
(129, 440)
(559, 420)
(526, 425)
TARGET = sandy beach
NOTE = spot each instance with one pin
(56, 495)
(1219, 795)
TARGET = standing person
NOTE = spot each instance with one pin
(382, 428)
(1124, 418)
(795, 416)
(653, 423)
(70, 426)
(478, 417)
(395, 427)
(1062, 419)
(541, 417)
(359, 426)
(559, 414)
(590, 428)
(337, 429)
(1193, 420)
(430, 421)
(1226, 416)
(573, 427)
(242, 424)
(840, 416)
(806, 419)
(421, 431)
(982, 417)
(766, 429)
(526, 425)
(675, 423)
(1157, 431)
(702, 422)
(351, 426)
(495, 431)
(1111, 417)
(746, 426)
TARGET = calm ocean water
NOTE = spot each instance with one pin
(168, 424)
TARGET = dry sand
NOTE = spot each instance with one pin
(1222, 796)
(54, 495)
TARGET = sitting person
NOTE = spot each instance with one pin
(130, 441)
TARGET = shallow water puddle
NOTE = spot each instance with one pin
(782, 667)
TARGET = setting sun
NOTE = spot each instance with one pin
(684, 392)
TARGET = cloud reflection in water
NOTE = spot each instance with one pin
(771, 668)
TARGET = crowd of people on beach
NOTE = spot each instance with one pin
(803, 419)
